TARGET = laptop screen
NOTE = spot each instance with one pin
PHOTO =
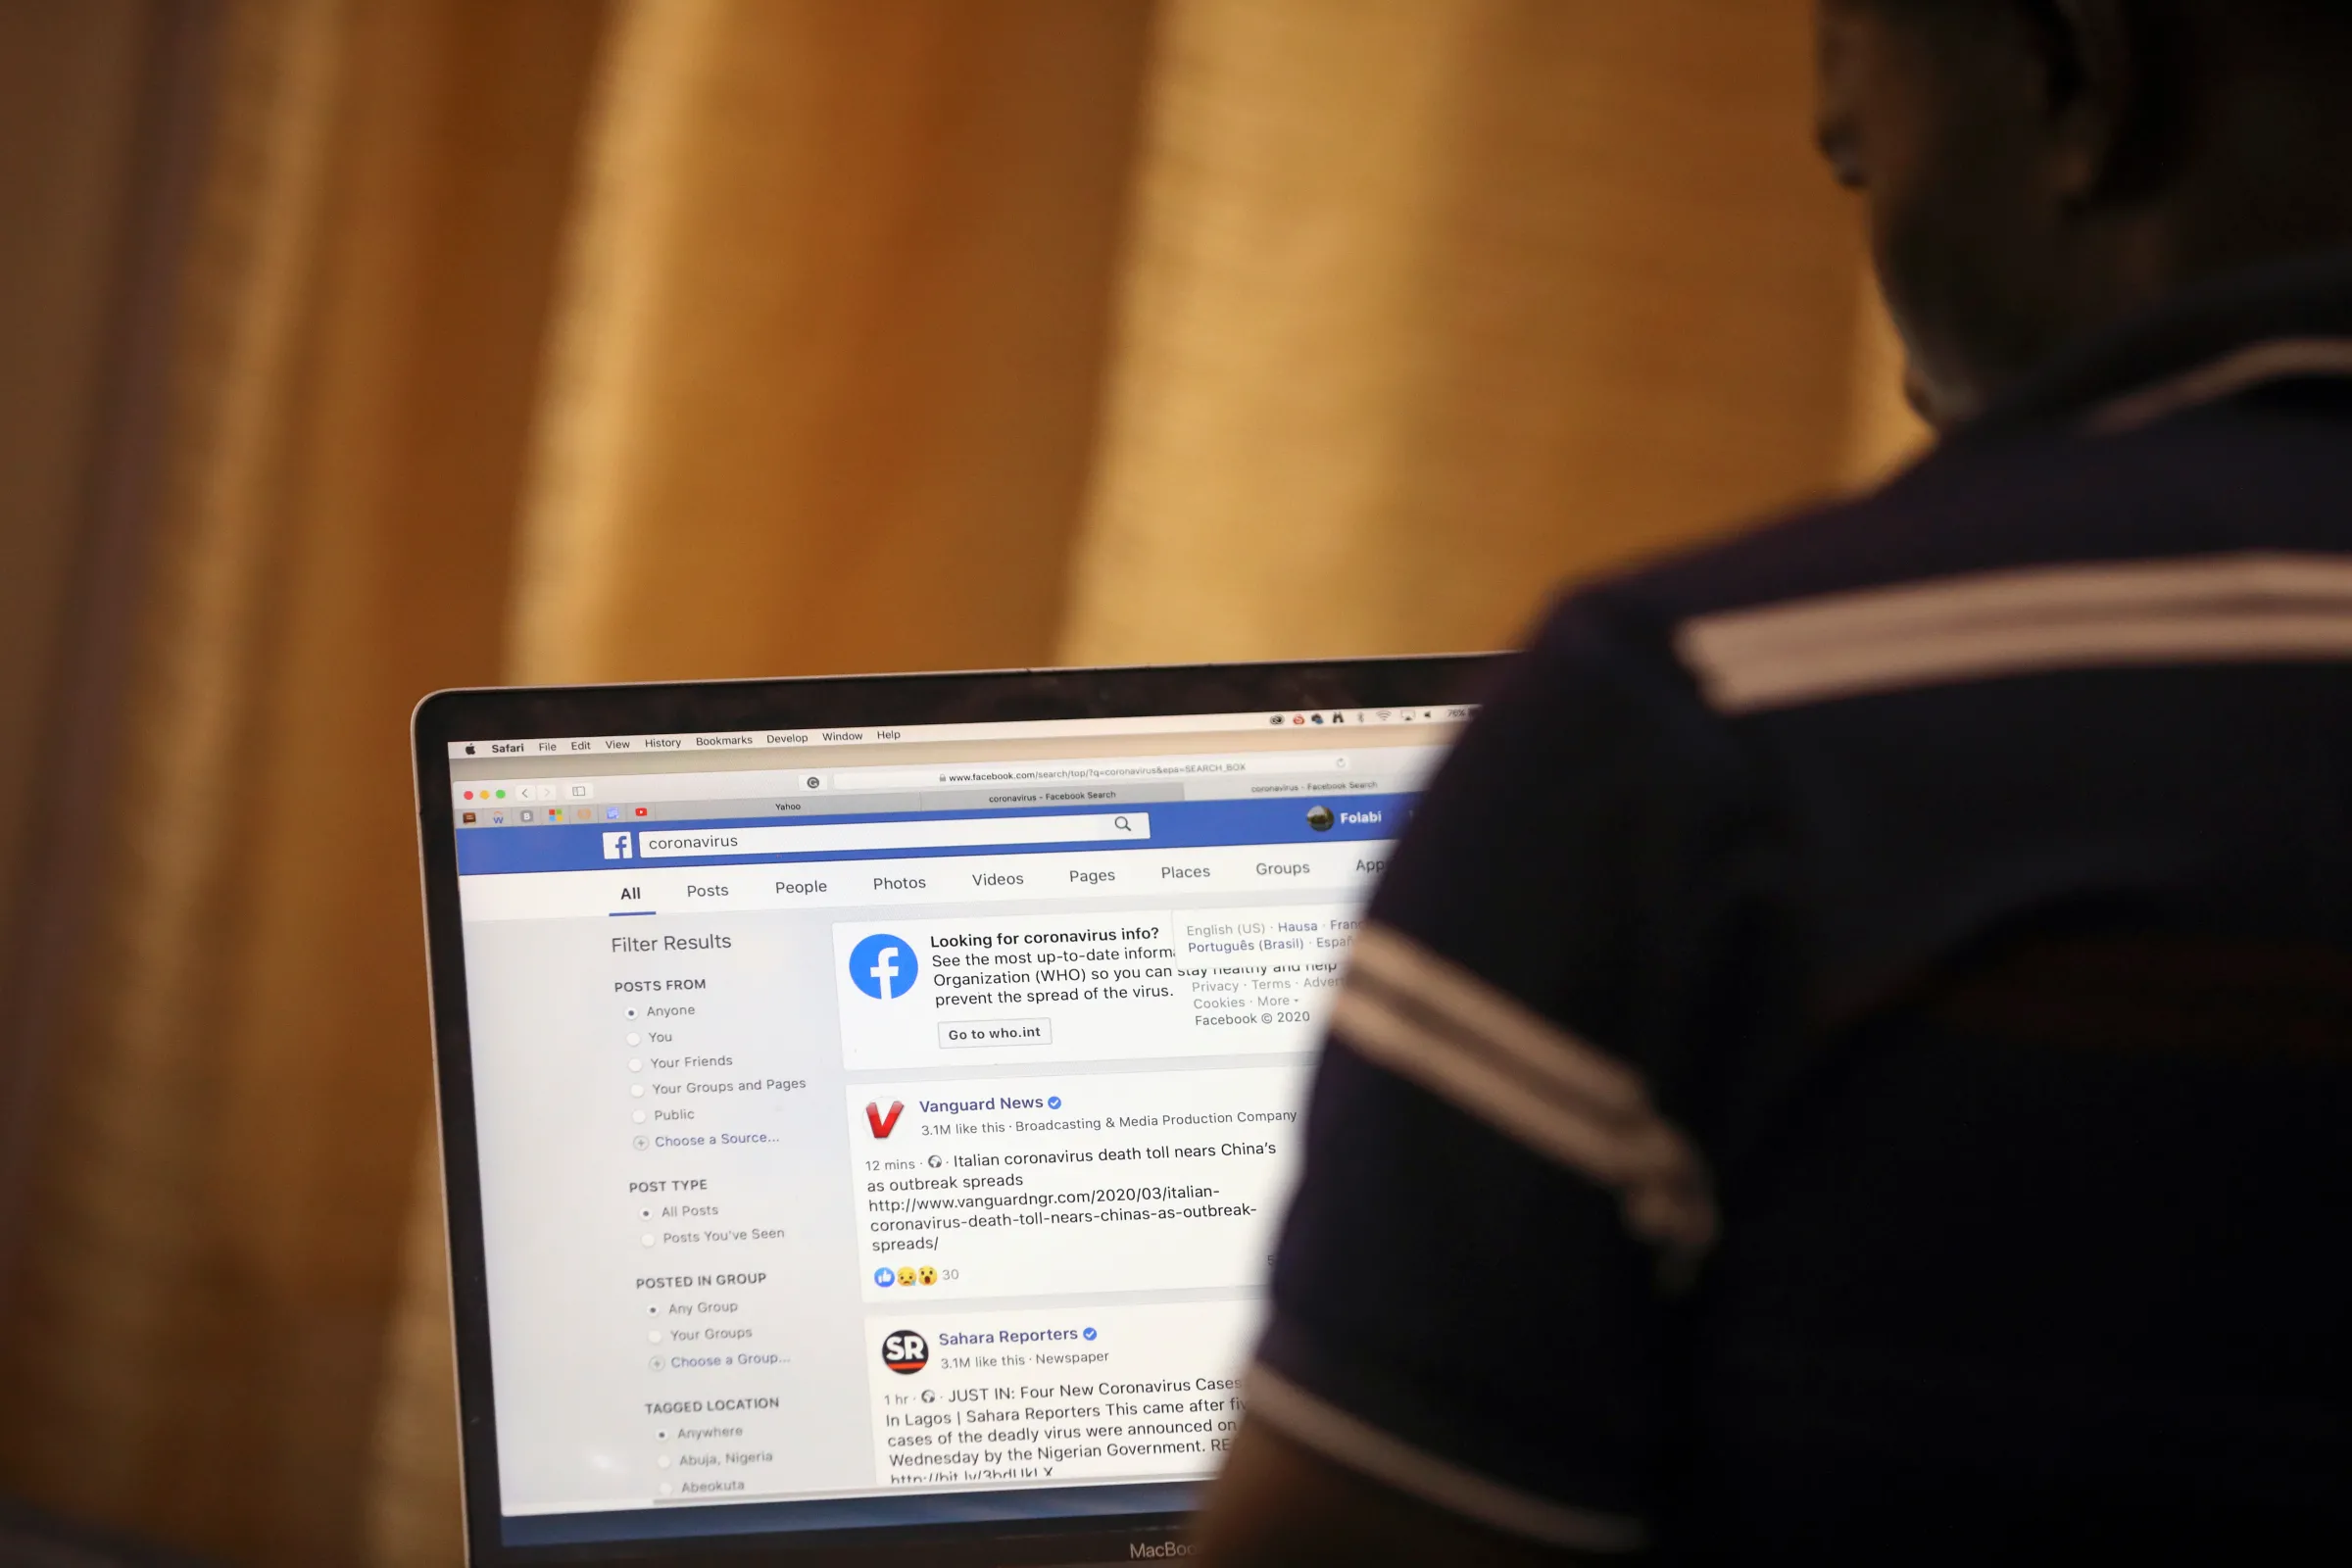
(889, 1126)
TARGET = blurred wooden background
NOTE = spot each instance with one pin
(353, 347)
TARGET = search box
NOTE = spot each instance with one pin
(822, 838)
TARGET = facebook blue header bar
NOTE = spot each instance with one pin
(913, 835)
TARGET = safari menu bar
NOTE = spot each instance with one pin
(708, 741)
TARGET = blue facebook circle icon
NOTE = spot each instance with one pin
(882, 966)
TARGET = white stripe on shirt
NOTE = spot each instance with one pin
(1533, 1043)
(2279, 360)
(1363, 1448)
(1412, 1012)
(2241, 607)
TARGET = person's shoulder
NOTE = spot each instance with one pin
(1946, 514)
(1924, 521)
(1833, 599)
(2051, 524)
(2254, 474)
(1618, 633)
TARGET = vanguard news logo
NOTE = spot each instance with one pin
(882, 966)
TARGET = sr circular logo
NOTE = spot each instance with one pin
(882, 966)
(906, 1352)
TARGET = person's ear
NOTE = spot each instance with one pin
(2102, 74)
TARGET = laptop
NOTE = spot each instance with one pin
(868, 1104)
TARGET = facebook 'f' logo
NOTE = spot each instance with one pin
(616, 846)
(882, 966)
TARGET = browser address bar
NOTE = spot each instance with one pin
(1086, 770)
(818, 838)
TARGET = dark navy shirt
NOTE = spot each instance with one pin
(1855, 1049)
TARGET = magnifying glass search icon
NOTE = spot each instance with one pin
(1122, 825)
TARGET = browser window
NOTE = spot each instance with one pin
(874, 1122)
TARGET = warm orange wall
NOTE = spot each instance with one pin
(827, 390)
(69, 110)
(225, 1158)
(729, 338)
(1429, 306)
